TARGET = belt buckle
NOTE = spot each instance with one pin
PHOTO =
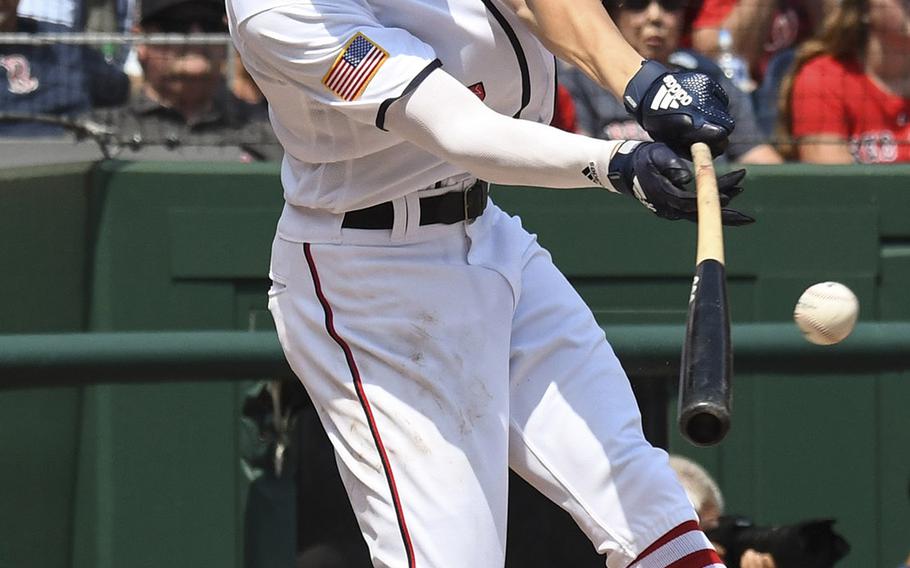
(466, 200)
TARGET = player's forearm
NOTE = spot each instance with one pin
(581, 33)
(447, 120)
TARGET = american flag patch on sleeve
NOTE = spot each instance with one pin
(354, 68)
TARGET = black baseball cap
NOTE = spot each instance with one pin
(152, 9)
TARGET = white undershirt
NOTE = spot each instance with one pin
(447, 120)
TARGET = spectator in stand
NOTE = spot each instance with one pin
(60, 80)
(764, 33)
(184, 108)
(759, 28)
(243, 86)
(80, 15)
(654, 28)
(848, 98)
(564, 115)
(99, 16)
(708, 502)
(68, 13)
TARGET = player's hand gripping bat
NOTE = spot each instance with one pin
(707, 358)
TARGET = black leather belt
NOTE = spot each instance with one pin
(448, 208)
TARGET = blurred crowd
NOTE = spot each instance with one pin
(822, 81)
(139, 99)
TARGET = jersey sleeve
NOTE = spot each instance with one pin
(817, 101)
(336, 53)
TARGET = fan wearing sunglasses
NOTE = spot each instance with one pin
(182, 108)
(654, 29)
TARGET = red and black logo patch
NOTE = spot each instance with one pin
(477, 89)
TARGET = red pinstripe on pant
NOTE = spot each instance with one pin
(365, 404)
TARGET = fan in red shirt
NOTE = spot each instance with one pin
(849, 97)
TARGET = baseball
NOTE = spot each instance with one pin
(826, 313)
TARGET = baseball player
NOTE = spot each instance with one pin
(437, 340)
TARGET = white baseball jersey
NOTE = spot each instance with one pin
(342, 62)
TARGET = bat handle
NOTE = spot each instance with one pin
(710, 231)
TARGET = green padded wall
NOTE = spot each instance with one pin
(810, 446)
(43, 260)
(179, 247)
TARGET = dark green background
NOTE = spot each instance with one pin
(148, 475)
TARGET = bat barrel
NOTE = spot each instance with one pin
(706, 369)
(704, 424)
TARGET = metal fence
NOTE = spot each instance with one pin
(127, 95)
(97, 73)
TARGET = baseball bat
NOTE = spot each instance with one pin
(705, 398)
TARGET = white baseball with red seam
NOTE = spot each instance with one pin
(826, 313)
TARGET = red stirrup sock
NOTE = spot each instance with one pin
(683, 547)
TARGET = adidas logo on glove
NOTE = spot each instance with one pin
(670, 95)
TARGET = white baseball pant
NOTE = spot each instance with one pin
(439, 356)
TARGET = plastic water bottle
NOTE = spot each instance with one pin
(734, 67)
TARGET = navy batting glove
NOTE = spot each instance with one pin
(656, 176)
(679, 108)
